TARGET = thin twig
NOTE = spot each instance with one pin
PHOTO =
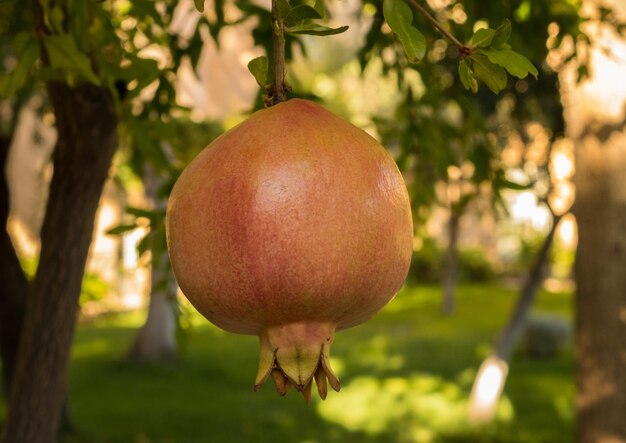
(279, 89)
(419, 8)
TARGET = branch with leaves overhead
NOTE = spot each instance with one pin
(487, 57)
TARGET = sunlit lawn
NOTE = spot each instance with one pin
(405, 377)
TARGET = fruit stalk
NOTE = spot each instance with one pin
(279, 89)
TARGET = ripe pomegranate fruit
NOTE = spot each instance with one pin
(290, 226)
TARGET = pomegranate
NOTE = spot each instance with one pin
(290, 226)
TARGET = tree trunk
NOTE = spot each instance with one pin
(451, 264)
(600, 210)
(527, 296)
(156, 341)
(595, 121)
(14, 287)
(86, 123)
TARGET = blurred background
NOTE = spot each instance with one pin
(478, 346)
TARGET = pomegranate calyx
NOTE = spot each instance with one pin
(295, 355)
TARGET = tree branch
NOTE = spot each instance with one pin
(279, 89)
(531, 286)
(419, 8)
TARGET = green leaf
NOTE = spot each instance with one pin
(400, 18)
(120, 229)
(144, 244)
(27, 52)
(145, 10)
(467, 76)
(258, 67)
(502, 183)
(522, 13)
(300, 13)
(53, 17)
(283, 8)
(320, 7)
(142, 213)
(199, 5)
(64, 54)
(493, 75)
(512, 61)
(482, 38)
(143, 70)
(79, 20)
(583, 73)
(314, 29)
(502, 34)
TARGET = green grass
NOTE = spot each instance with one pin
(405, 376)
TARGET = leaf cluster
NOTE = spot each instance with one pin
(128, 48)
(429, 142)
(490, 57)
(399, 17)
(487, 57)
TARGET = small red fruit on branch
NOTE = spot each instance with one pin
(290, 226)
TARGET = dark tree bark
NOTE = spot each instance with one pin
(86, 123)
(14, 287)
(451, 264)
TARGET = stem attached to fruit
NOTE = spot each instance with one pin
(279, 89)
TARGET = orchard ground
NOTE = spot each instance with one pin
(406, 376)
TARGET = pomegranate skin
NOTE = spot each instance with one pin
(293, 217)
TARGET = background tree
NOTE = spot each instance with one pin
(156, 340)
(14, 95)
(83, 114)
(596, 122)
(88, 74)
(13, 291)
